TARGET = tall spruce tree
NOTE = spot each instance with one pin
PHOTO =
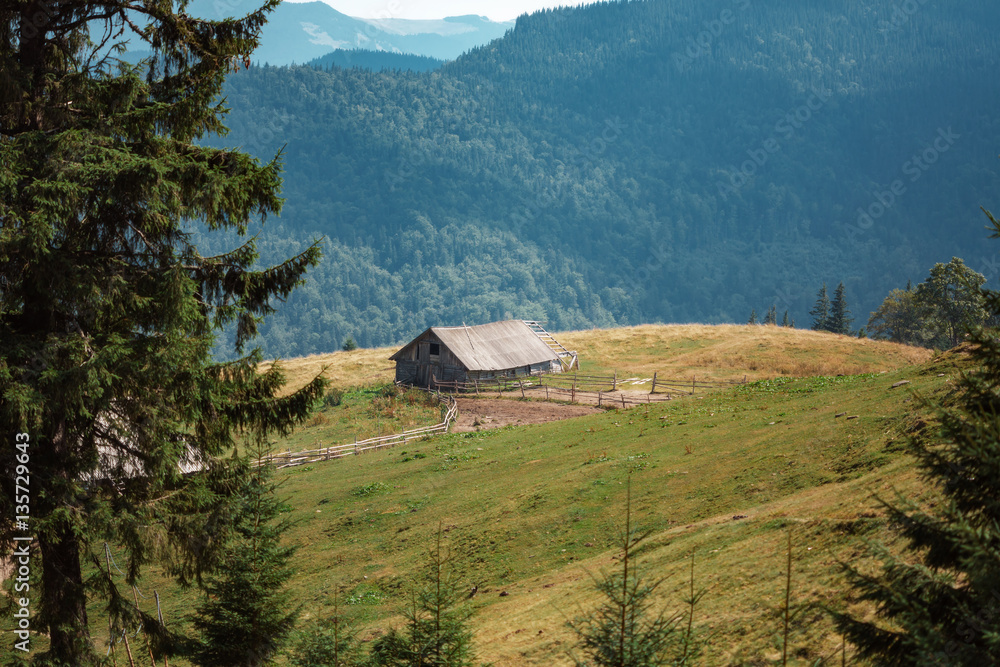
(246, 617)
(108, 311)
(772, 315)
(839, 320)
(939, 603)
(821, 311)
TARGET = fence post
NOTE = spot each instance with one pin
(598, 398)
(653, 390)
(546, 392)
(623, 400)
(693, 380)
(614, 381)
(521, 385)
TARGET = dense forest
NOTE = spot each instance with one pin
(375, 60)
(626, 162)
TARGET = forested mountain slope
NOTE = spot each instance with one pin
(375, 60)
(682, 160)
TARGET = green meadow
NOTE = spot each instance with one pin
(530, 514)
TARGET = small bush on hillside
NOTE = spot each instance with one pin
(333, 398)
(368, 490)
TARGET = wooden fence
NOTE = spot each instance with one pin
(567, 386)
(289, 459)
(602, 390)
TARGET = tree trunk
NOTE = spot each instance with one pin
(64, 600)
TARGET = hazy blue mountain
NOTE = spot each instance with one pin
(301, 32)
(635, 161)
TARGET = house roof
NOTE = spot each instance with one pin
(492, 347)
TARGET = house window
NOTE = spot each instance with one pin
(435, 349)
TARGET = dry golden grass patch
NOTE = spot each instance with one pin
(721, 352)
(357, 368)
(730, 352)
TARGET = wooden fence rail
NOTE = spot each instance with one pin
(289, 459)
(575, 387)
(575, 383)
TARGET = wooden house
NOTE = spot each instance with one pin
(485, 351)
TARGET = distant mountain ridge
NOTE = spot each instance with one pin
(301, 32)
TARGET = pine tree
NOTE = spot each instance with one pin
(753, 316)
(772, 316)
(331, 644)
(939, 604)
(108, 312)
(785, 322)
(821, 311)
(839, 320)
(436, 634)
(624, 631)
(246, 619)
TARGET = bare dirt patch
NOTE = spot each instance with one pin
(484, 413)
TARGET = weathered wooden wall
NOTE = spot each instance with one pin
(419, 367)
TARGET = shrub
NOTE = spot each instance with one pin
(333, 398)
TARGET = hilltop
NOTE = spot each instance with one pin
(716, 352)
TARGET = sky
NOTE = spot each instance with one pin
(497, 10)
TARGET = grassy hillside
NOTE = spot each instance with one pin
(532, 511)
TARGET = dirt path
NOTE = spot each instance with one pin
(484, 413)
